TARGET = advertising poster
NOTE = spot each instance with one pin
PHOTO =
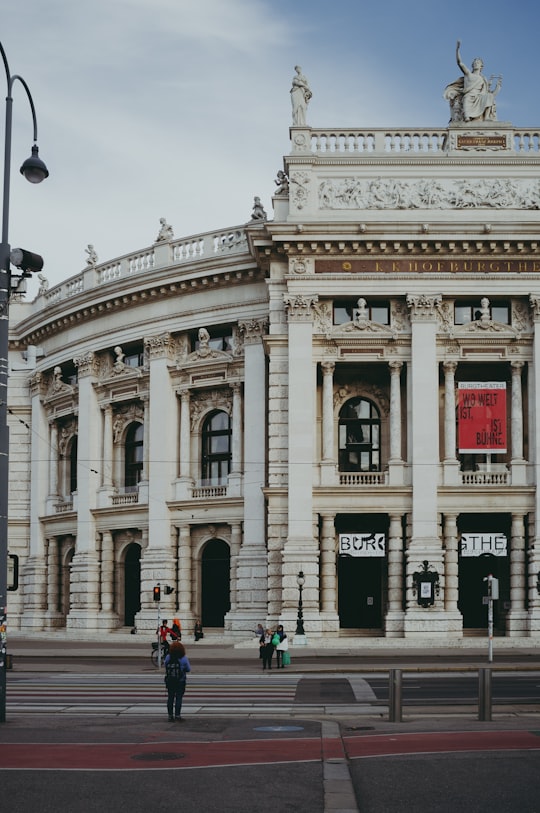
(482, 417)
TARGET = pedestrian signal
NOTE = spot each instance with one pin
(157, 592)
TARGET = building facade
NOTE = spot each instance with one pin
(349, 389)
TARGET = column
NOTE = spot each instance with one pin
(185, 481)
(252, 583)
(53, 462)
(450, 582)
(145, 473)
(85, 566)
(518, 462)
(534, 454)
(53, 615)
(395, 613)
(451, 463)
(107, 446)
(516, 620)
(328, 571)
(301, 550)
(107, 575)
(425, 543)
(185, 598)
(158, 563)
(328, 462)
(395, 463)
(236, 539)
(235, 475)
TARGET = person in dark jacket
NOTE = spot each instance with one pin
(176, 667)
(267, 648)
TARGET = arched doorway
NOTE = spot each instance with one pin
(132, 584)
(215, 583)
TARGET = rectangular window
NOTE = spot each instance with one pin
(345, 311)
(467, 312)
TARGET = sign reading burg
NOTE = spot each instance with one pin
(362, 545)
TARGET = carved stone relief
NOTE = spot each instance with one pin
(204, 401)
(125, 415)
(464, 193)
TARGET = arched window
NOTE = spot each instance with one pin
(73, 465)
(216, 449)
(134, 456)
(359, 436)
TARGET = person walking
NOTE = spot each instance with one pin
(177, 666)
(282, 647)
(267, 648)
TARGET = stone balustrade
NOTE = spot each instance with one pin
(381, 141)
(183, 250)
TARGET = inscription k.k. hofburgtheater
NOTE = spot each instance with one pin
(413, 265)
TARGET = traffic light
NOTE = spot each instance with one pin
(168, 590)
(157, 592)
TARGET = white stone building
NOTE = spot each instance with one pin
(219, 412)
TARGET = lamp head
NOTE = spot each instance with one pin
(300, 579)
(33, 169)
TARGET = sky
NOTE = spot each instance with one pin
(181, 108)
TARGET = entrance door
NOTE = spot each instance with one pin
(216, 577)
(359, 592)
(472, 588)
(132, 582)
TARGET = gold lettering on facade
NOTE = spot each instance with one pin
(439, 266)
(480, 141)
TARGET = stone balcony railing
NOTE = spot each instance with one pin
(411, 141)
(185, 250)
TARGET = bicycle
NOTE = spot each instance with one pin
(154, 654)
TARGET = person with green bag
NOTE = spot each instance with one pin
(282, 647)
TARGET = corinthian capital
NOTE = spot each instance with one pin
(87, 364)
(253, 330)
(300, 308)
(423, 307)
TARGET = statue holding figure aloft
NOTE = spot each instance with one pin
(472, 97)
(300, 97)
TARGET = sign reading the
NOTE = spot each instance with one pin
(362, 545)
(482, 417)
(477, 544)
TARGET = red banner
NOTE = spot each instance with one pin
(482, 417)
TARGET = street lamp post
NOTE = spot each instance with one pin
(35, 171)
(300, 635)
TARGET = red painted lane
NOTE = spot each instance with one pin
(137, 756)
(438, 742)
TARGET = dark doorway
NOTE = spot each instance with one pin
(472, 589)
(359, 593)
(216, 577)
(132, 582)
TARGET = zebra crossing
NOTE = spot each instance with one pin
(54, 693)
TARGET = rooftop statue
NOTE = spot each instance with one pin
(165, 231)
(472, 97)
(92, 256)
(300, 96)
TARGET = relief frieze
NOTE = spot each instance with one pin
(463, 193)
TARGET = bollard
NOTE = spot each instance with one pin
(394, 691)
(484, 694)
